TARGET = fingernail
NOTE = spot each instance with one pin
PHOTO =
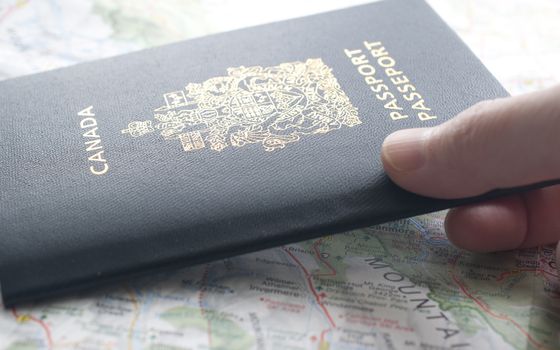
(404, 150)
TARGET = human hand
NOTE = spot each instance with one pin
(495, 144)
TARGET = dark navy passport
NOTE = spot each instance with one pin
(221, 145)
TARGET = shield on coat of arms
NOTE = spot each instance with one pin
(271, 106)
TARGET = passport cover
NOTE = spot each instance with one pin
(221, 145)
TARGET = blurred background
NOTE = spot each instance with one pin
(401, 285)
(519, 40)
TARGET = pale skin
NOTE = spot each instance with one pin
(495, 144)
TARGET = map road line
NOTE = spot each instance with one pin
(316, 295)
(11, 9)
(488, 311)
(23, 318)
(318, 254)
(132, 295)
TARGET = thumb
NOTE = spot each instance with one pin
(495, 144)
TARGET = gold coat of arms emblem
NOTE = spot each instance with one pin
(272, 106)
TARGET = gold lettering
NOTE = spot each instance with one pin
(360, 60)
(379, 87)
(87, 112)
(351, 53)
(91, 133)
(88, 123)
(372, 81)
(412, 96)
(393, 105)
(406, 88)
(97, 157)
(384, 96)
(397, 115)
(400, 80)
(103, 171)
(366, 69)
(397, 77)
(381, 52)
(425, 116)
(371, 45)
(392, 72)
(420, 105)
(386, 61)
(93, 145)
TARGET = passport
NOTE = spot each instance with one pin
(221, 145)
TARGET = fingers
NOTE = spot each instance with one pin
(496, 225)
(495, 144)
(518, 221)
(543, 207)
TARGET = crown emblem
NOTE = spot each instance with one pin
(271, 106)
(137, 128)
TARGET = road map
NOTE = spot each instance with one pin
(400, 285)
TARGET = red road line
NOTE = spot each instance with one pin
(40, 322)
(318, 254)
(9, 11)
(311, 287)
(322, 339)
(487, 309)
